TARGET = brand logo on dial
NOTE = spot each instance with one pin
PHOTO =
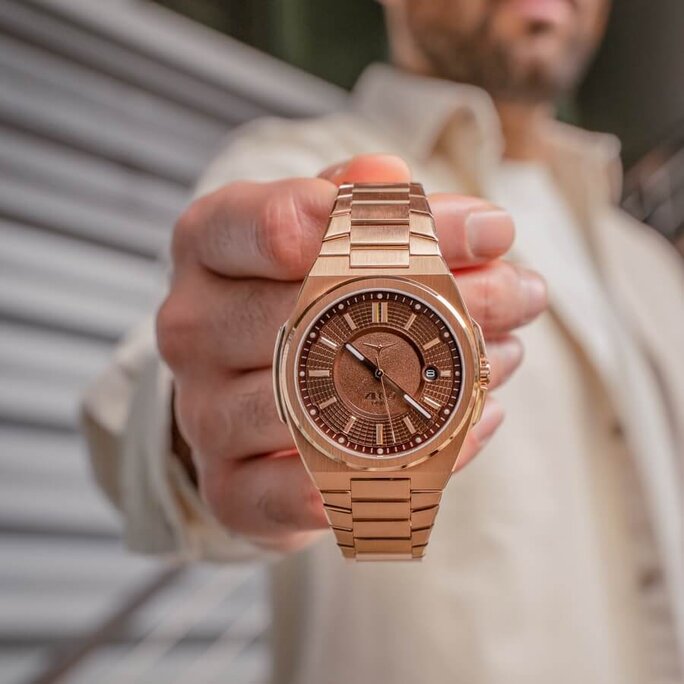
(378, 398)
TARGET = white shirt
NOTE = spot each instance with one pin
(530, 574)
(530, 193)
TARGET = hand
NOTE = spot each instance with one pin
(238, 256)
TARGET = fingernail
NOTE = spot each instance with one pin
(489, 233)
(535, 291)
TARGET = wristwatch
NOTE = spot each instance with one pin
(380, 371)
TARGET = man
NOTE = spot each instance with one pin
(558, 555)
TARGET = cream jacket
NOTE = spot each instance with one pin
(531, 575)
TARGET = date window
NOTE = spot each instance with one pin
(430, 373)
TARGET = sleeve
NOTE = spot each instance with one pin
(126, 412)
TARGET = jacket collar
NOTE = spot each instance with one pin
(430, 113)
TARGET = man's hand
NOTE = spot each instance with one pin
(239, 255)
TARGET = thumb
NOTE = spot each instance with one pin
(368, 168)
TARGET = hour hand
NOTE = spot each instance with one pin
(363, 359)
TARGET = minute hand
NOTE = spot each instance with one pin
(378, 373)
(408, 398)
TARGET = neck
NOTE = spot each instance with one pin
(521, 125)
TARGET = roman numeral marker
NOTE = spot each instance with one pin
(379, 312)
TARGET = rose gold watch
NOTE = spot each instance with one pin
(380, 371)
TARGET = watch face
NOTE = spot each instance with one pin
(379, 373)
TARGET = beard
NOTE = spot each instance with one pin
(506, 70)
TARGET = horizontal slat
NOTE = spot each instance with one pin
(114, 187)
(23, 298)
(33, 400)
(99, 49)
(67, 262)
(70, 508)
(48, 356)
(31, 104)
(142, 110)
(41, 455)
(70, 215)
(208, 63)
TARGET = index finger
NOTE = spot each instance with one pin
(274, 230)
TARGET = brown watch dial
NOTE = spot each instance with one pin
(379, 373)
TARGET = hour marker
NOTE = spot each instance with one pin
(427, 345)
(423, 412)
(327, 402)
(350, 321)
(445, 373)
(328, 342)
(379, 433)
(349, 425)
(323, 373)
(431, 402)
(379, 312)
(409, 425)
(409, 323)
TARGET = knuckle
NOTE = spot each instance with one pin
(253, 311)
(185, 230)
(274, 509)
(175, 326)
(279, 234)
(498, 288)
(255, 407)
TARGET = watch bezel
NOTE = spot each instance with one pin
(461, 327)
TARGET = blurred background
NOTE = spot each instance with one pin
(108, 112)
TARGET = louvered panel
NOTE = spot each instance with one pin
(76, 216)
(66, 595)
(148, 112)
(66, 306)
(44, 25)
(42, 455)
(57, 167)
(63, 261)
(40, 106)
(43, 509)
(108, 111)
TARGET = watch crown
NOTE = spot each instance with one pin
(485, 372)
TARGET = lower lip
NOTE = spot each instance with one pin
(543, 11)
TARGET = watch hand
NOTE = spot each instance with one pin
(412, 402)
(408, 398)
(363, 359)
(384, 394)
(379, 374)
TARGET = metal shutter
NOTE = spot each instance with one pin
(108, 111)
